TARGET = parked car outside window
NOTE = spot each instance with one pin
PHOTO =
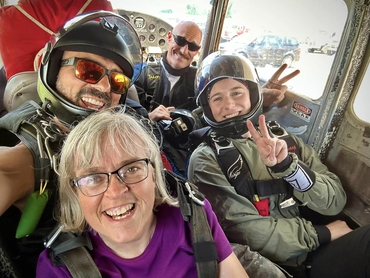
(324, 44)
(265, 50)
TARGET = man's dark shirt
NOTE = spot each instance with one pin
(153, 87)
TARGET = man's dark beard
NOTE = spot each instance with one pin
(96, 93)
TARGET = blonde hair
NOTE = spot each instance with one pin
(84, 145)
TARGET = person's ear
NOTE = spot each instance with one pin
(169, 35)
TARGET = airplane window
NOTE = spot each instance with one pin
(310, 31)
(363, 98)
(316, 25)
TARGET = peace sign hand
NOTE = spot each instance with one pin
(274, 89)
(272, 150)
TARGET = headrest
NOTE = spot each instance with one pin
(20, 88)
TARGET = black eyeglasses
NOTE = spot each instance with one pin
(96, 184)
(91, 72)
(181, 41)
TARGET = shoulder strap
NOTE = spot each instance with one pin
(205, 252)
(17, 122)
(154, 71)
(71, 250)
(191, 206)
(235, 168)
(80, 264)
(40, 135)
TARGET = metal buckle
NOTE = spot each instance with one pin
(192, 196)
(53, 237)
(291, 202)
(220, 148)
(287, 203)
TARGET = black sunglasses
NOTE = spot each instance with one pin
(181, 41)
(91, 72)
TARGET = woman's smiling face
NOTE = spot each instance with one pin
(123, 213)
(229, 98)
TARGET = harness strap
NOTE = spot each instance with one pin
(80, 264)
(191, 206)
(71, 250)
(28, 135)
(272, 187)
(204, 247)
(68, 241)
(153, 81)
(236, 171)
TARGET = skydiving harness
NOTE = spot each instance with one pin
(236, 170)
(152, 96)
(70, 249)
(37, 130)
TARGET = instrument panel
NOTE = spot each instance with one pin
(152, 32)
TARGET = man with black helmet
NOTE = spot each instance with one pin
(256, 187)
(87, 66)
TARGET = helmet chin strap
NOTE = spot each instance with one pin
(235, 131)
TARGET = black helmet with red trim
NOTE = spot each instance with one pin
(216, 67)
(103, 33)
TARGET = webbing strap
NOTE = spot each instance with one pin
(185, 207)
(236, 171)
(267, 188)
(79, 263)
(204, 247)
(71, 250)
(70, 241)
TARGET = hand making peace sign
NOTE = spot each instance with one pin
(274, 89)
(272, 150)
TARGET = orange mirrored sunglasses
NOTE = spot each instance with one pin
(91, 72)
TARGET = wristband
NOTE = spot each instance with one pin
(302, 179)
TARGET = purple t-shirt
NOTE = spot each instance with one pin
(169, 253)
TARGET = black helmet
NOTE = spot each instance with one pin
(99, 32)
(216, 67)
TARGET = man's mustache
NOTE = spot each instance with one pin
(95, 93)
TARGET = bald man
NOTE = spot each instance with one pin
(169, 84)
